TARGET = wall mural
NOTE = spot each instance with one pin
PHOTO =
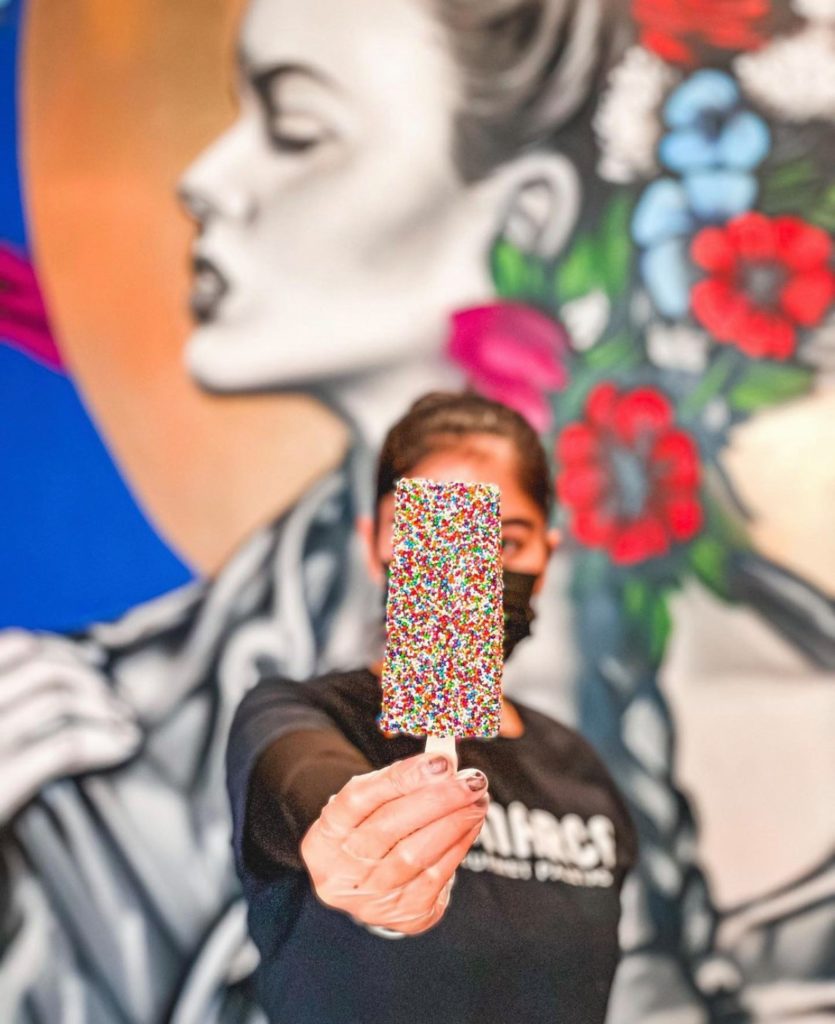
(618, 219)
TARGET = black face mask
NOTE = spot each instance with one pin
(518, 614)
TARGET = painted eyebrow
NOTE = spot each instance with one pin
(264, 77)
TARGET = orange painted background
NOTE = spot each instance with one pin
(116, 101)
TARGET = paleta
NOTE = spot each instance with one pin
(444, 619)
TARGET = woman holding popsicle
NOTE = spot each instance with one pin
(349, 839)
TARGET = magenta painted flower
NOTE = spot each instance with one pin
(23, 319)
(513, 354)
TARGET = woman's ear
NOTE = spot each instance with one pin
(553, 539)
(368, 534)
(538, 197)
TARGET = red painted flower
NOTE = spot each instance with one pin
(629, 476)
(678, 29)
(768, 277)
(512, 354)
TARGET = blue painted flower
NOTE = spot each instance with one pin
(666, 217)
(714, 144)
(709, 127)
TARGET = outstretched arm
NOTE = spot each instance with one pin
(381, 846)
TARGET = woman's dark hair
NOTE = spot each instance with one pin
(440, 420)
(531, 71)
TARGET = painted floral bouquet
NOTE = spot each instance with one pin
(703, 293)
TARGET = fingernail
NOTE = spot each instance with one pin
(437, 765)
(474, 779)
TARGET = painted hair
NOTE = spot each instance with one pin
(442, 420)
(529, 68)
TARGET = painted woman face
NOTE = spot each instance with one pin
(335, 233)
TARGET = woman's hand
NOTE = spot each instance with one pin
(58, 717)
(386, 846)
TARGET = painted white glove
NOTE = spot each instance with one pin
(58, 717)
(386, 846)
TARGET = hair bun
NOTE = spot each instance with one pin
(441, 416)
(434, 400)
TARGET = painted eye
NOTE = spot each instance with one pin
(297, 133)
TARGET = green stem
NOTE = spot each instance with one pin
(711, 385)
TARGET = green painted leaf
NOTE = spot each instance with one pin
(618, 352)
(791, 174)
(790, 188)
(576, 275)
(614, 249)
(709, 559)
(599, 259)
(537, 282)
(616, 266)
(571, 401)
(723, 522)
(823, 212)
(768, 384)
(636, 598)
(713, 382)
(510, 270)
(660, 626)
(646, 606)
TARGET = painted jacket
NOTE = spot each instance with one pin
(119, 901)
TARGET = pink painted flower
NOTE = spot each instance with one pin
(513, 354)
(23, 318)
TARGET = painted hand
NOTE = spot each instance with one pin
(58, 717)
(386, 846)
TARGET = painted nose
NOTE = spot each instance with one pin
(198, 206)
(214, 186)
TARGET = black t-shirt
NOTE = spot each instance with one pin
(530, 934)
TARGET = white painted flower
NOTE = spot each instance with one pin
(716, 415)
(641, 309)
(793, 77)
(815, 10)
(677, 347)
(818, 353)
(585, 319)
(628, 118)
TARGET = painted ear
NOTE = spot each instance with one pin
(541, 202)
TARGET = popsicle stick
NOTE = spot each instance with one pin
(443, 745)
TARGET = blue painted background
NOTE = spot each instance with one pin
(74, 546)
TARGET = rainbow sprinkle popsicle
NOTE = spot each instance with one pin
(444, 624)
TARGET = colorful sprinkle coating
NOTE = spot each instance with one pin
(444, 620)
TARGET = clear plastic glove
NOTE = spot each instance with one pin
(386, 846)
(58, 717)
